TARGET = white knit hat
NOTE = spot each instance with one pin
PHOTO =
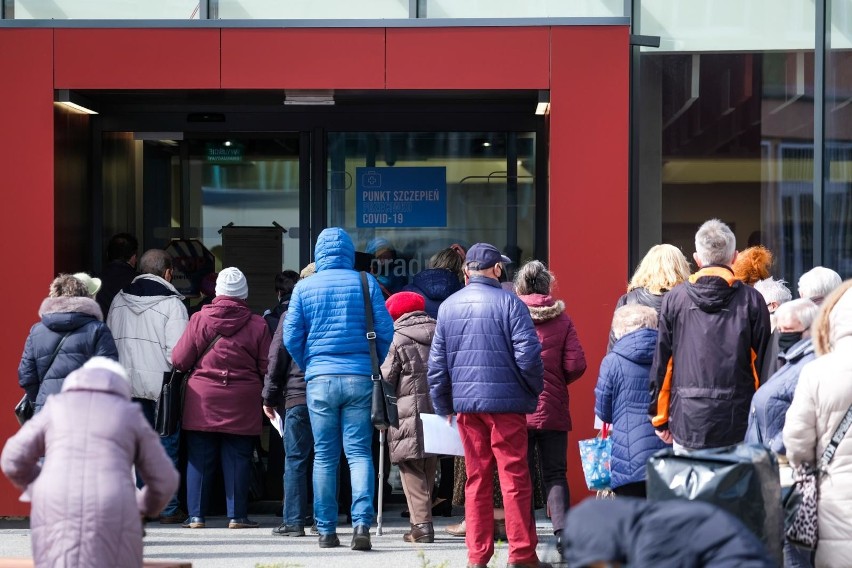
(232, 282)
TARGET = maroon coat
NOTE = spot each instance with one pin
(223, 393)
(563, 358)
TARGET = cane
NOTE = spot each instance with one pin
(381, 481)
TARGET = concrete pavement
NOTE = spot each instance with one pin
(218, 547)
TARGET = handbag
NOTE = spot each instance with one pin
(170, 403)
(800, 505)
(595, 456)
(25, 408)
(383, 410)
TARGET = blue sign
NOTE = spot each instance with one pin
(401, 197)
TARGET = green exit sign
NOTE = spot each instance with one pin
(228, 153)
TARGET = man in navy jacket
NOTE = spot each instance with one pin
(485, 364)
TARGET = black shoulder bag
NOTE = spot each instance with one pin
(25, 408)
(170, 403)
(383, 411)
(800, 505)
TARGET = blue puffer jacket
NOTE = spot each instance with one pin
(622, 396)
(435, 285)
(771, 401)
(88, 335)
(325, 329)
(485, 356)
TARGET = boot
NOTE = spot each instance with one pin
(422, 532)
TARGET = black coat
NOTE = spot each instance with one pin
(664, 534)
(117, 275)
(88, 336)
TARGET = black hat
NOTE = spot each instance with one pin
(482, 255)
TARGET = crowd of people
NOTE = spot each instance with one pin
(694, 360)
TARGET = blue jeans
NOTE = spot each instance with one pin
(339, 407)
(298, 443)
(170, 443)
(204, 449)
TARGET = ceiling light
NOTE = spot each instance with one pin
(543, 106)
(74, 101)
(227, 142)
(313, 98)
(486, 144)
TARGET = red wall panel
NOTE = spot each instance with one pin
(26, 227)
(136, 59)
(468, 58)
(303, 59)
(588, 198)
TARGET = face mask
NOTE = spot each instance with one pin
(787, 339)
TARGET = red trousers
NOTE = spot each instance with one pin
(500, 438)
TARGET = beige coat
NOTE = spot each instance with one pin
(405, 369)
(822, 397)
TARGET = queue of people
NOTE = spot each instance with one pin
(694, 360)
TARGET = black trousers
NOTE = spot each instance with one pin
(552, 452)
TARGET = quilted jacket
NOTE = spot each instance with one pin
(405, 369)
(435, 285)
(223, 392)
(325, 328)
(85, 505)
(563, 358)
(485, 356)
(81, 318)
(621, 399)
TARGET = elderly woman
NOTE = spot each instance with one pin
(662, 268)
(70, 332)
(822, 398)
(622, 397)
(564, 363)
(775, 293)
(228, 348)
(86, 510)
(752, 265)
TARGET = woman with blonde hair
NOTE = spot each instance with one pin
(821, 401)
(662, 268)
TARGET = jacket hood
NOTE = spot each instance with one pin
(101, 380)
(712, 288)
(146, 291)
(334, 250)
(437, 283)
(542, 307)
(417, 326)
(637, 346)
(840, 318)
(226, 315)
(68, 312)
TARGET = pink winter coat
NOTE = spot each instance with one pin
(224, 392)
(563, 358)
(85, 506)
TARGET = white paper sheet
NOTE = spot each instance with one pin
(278, 424)
(439, 437)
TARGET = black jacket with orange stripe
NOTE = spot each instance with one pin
(713, 335)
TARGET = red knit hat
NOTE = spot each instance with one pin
(402, 303)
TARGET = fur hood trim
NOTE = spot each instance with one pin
(69, 304)
(545, 313)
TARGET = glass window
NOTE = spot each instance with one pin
(525, 9)
(319, 9)
(89, 10)
(413, 194)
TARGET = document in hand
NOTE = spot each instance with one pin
(439, 437)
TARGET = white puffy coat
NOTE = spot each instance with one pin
(822, 397)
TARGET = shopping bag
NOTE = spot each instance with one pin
(595, 456)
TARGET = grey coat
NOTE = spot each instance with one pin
(85, 506)
(405, 369)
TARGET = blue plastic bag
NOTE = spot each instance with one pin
(595, 454)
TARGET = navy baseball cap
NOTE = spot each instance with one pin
(482, 255)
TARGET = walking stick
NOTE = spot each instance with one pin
(381, 481)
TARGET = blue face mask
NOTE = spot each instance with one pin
(384, 280)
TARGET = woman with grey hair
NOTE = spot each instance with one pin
(564, 363)
(70, 332)
(775, 293)
(622, 397)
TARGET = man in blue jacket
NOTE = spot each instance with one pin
(325, 332)
(485, 364)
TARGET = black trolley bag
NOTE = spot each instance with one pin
(742, 479)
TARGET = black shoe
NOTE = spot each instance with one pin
(361, 538)
(559, 544)
(243, 523)
(289, 530)
(194, 523)
(314, 529)
(405, 514)
(329, 540)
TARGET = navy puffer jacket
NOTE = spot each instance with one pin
(435, 285)
(486, 356)
(621, 399)
(325, 329)
(772, 400)
(82, 319)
